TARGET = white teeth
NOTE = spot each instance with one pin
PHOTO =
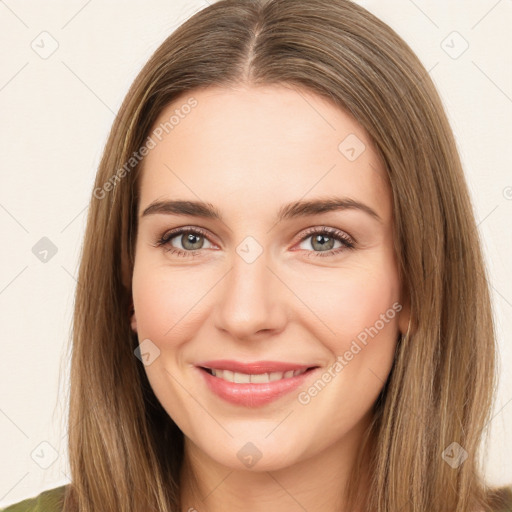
(244, 378)
(259, 379)
(240, 378)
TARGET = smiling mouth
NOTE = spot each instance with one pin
(261, 378)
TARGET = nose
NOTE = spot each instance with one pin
(251, 301)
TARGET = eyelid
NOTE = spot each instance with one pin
(171, 233)
(347, 241)
(306, 232)
(335, 232)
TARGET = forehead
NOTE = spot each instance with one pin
(254, 144)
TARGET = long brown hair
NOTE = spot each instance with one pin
(125, 451)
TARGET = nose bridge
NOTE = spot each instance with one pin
(249, 301)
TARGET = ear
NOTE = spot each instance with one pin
(133, 318)
(404, 316)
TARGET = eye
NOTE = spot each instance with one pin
(324, 239)
(191, 240)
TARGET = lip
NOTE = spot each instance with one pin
(252, 394)
(254, 368)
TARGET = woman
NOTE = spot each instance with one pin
(282, 300)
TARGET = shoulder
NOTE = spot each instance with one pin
(500, 499)
(50, 500)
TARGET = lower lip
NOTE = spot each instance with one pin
(253, 395)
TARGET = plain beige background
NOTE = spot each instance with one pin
(66, 66)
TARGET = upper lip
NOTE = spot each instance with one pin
(255, 367)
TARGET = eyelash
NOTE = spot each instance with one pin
(348, 243)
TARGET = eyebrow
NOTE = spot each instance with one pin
(292, 210)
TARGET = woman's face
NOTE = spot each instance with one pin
(259, 281)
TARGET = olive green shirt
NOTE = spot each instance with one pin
(52, 500)
(48, 501)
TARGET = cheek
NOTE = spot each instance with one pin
(368, 332)
(152, 302)
(169, 304)
(357, 304)
(164, 309)
(367, 304)
(361, 311)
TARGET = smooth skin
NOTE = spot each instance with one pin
(248, 151)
